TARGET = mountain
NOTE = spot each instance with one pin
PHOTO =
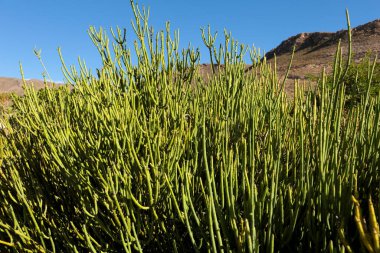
(14, 85)
(364, 38)
(10, 85)
(315, 51)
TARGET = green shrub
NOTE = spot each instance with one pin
(360, 78)
(152, 158)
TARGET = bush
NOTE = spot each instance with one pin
(361, 77)
(358, 80)
(151, 158)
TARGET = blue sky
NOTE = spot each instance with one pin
(49, 24)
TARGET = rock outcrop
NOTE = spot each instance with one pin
(318, 40)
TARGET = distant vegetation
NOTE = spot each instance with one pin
(5, 100)
(361, 77)
(153, 157)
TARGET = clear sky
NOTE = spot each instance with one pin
(49, 24)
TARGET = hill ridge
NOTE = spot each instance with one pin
(318, 40)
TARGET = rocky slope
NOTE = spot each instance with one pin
(14, 85)
(10, 86)
(321, 40)
(315, 51)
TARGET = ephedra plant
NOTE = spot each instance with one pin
(153, 157)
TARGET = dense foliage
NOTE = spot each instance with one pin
(361, 77)
(153, 157)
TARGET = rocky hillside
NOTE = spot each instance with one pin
(14, 85)
(10, 86)
(321, 40)
(314, 51)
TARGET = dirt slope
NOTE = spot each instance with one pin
(314, 51)
(14, 85)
